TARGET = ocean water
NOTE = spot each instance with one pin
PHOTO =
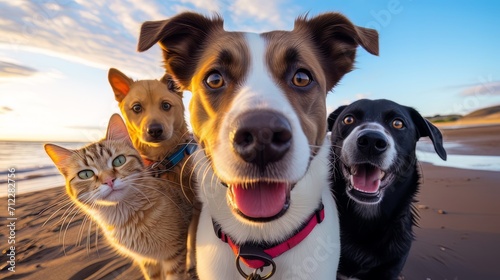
(34, 169)
(426, 153)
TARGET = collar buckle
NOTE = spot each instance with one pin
(255, 257)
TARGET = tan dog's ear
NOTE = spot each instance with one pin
(172, 86)
(180, 38)
(120, 83)
(337, 38)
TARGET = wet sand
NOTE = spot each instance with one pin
(459, 234)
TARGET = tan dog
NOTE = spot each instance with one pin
(154, 114)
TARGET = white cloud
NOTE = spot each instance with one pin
(362, 96)
(492, 88)
(99, 35)
(262, 15)
(8, 69)
(5, 109)
(204, 5)
(104, 34)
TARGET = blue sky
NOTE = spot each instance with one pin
(440, 57)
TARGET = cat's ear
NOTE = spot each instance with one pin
(120, 83)
(59, 155)
(117, 130)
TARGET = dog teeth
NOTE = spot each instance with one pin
(382, 175)
(354, 170)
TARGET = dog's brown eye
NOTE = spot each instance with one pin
(214, 80)
(398, 124)
(166, 106)
(349, 120)
(137, 108)
(301, 78)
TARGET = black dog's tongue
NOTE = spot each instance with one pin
(366, 178)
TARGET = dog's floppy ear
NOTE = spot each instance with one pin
(172, 86)
(333, 116)
(120, 83)
(180, 38)
(337, 37)
(426, 128)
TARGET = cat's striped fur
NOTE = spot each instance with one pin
(140, 216)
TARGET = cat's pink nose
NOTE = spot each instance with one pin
(110, 182)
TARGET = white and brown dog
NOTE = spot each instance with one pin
(258, 111)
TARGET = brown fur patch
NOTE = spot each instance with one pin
(209, 103)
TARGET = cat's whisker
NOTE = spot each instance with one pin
(92, 207)
(201, 166)
(97, 240)
(61, 198)
(57, 211)
(85, 219)
(66, 230)
(158, 191)
(79, 237)
(133, 185)
(73, 210)
(61, 229)
(64, 217)
(183, 167)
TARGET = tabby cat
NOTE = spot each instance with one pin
(139, 216)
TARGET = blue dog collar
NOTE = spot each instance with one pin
(169, 162)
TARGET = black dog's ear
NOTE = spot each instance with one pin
(426, 128)
(180, 38)
(333, 116)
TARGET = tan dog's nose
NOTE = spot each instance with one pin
(155, 130)
(261, 137)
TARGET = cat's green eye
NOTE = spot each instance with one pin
(86, 174)
(119, 160)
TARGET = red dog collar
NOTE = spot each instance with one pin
(258, 255)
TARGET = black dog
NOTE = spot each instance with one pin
(375, 180)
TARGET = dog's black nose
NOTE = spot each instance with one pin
(261, 137)
(372, 142)
(155, 130)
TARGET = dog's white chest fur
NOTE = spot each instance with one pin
(316, 257)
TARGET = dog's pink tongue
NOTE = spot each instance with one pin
(366, 178)
(260, 200)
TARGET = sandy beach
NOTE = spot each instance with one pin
(458, 235)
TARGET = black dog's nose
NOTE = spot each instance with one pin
(372, 142)
(155, 130)
(261, 137)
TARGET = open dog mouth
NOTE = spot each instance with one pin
(366, 182)
(259, 201)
